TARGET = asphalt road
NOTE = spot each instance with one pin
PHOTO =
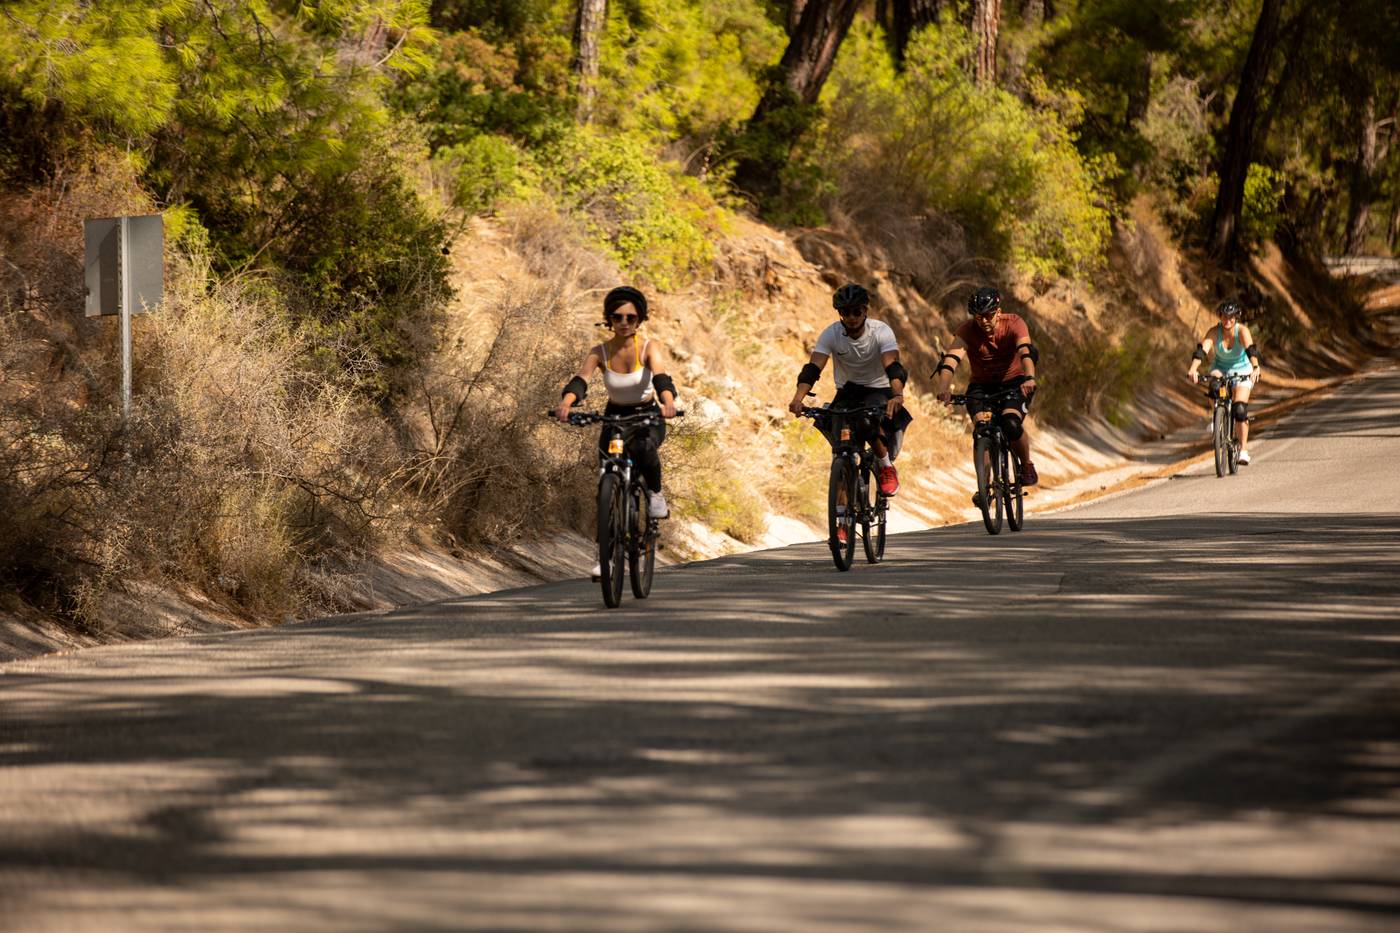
(1177, 709)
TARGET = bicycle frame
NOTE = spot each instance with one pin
(854, 430)
(621, 534)
(998, 481)
(1220, 390)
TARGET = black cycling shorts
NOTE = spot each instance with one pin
(978, 392)
(852, 395)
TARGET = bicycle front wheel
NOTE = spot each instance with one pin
(839, 516)
(612, 535)
(988, 493)
(1220, 436)
(641, 549)
(872, 520)
(1012, 492)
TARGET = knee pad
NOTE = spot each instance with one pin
(1240, 410)
(1011, 427)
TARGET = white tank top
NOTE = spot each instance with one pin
(632, 388)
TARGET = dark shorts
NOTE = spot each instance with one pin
(978, 393)
(851, 395)
(632, 434)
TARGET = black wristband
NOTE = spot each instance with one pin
(577, 386)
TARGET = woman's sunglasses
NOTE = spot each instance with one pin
(623, 318)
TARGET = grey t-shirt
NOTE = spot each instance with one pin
(859, 361)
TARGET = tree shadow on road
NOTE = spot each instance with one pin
(933, 722)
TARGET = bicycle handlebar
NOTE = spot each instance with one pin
(814, 413)
(581, 419)
(1012, 393)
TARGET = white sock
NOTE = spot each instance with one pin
(886, 461)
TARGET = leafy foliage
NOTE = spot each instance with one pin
(647, 216)
(1008, 171)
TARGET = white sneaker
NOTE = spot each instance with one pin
(1243, 458)
(656, 505)
(596, 573)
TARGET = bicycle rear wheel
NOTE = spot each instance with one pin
(1011, 489)
(641, 549)
(611, 538)
(1220, 426)
(843, 483)
(984, 461)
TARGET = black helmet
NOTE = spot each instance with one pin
(984, 301)
(850, 297)
(1229, 308)
(625, 295)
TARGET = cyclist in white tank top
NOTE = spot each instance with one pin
(634, 375)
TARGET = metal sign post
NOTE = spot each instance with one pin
(125, 269)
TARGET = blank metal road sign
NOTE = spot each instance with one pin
(102, 239)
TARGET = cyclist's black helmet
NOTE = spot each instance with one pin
(625, 295)
(1229, 308)
(850, 297)
(984, 301)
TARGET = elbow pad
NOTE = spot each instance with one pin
(1031, 352)
(577, 386)
(811, 372)
(943, 364)
(1199, 355)
(1253, 355)
(895, 371)
(663, 383)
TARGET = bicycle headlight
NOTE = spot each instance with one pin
(615, 445)
(982, 416)
(1222, 392)
(845, 434)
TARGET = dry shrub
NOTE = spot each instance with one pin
(481, 456)
(277, 473)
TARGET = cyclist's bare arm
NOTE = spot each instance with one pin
(951, 360)
(657, 361)
(590, 363)
(804, 388)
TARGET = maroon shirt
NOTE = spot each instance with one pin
(993, 356)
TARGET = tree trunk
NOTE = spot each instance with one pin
(907, 16)
(986, 19)
(795, 8)
(1363, 174)
(787, 107)
(588, 29)
(1239, 137)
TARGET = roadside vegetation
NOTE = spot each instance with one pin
(388, 222)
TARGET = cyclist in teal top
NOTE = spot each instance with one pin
(1230, 348)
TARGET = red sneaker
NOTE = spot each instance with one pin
(889, 480)
(841, 534)
(1029, 477)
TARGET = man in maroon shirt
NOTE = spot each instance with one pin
(998, 347)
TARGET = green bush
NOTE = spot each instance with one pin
(648, 216)
(1009, 172)
(485, 171)
(684, 69)
(1263, 200)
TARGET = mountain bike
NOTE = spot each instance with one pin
(996, 464)
(852, 478)
(625, 530)
(1222, 423)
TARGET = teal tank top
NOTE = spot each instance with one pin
(1233, 360)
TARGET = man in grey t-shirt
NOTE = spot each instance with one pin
(868, 373)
